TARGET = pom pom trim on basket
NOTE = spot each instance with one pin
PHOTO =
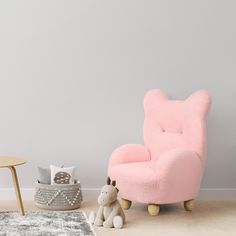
(58, 197)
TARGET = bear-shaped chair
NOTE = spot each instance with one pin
(169, 167)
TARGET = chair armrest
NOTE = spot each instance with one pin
(179, 163)
(129, 153)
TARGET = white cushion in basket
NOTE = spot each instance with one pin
(61, 175)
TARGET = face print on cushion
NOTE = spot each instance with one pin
(62, 178)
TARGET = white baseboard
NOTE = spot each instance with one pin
(92, 193)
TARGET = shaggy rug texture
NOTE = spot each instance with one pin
(45, 224)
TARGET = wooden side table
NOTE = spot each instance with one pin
(11, 162)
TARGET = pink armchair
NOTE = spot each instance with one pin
(169, 167)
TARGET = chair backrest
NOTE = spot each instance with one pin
(170, 124)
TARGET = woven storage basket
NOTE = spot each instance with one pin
(58, 197)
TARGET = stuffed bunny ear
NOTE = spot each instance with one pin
(153, 98)
(199, 102)
(108, 180)
(113, 183)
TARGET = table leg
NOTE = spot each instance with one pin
(17, 190)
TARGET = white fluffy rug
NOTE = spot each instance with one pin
(45, 224)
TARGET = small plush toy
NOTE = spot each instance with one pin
(110, 213)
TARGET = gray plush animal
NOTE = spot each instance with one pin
(110, 213)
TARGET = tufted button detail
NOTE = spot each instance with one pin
(174, 131)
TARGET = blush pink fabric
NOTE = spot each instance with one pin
(169, 167)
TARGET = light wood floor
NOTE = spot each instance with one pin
(208, 218)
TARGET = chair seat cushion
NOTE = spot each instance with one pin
(137, 172)
(168, 180)
(137, 181)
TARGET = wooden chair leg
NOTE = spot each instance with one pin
(17, 190)
(153, 209)
(189, 205)
(125, 204)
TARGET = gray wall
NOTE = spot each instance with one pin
(73, 75)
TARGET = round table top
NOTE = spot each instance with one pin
(6, 161)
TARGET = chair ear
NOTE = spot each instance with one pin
(108, 180)
(153, 98)
(113, 183)
(199, 102)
